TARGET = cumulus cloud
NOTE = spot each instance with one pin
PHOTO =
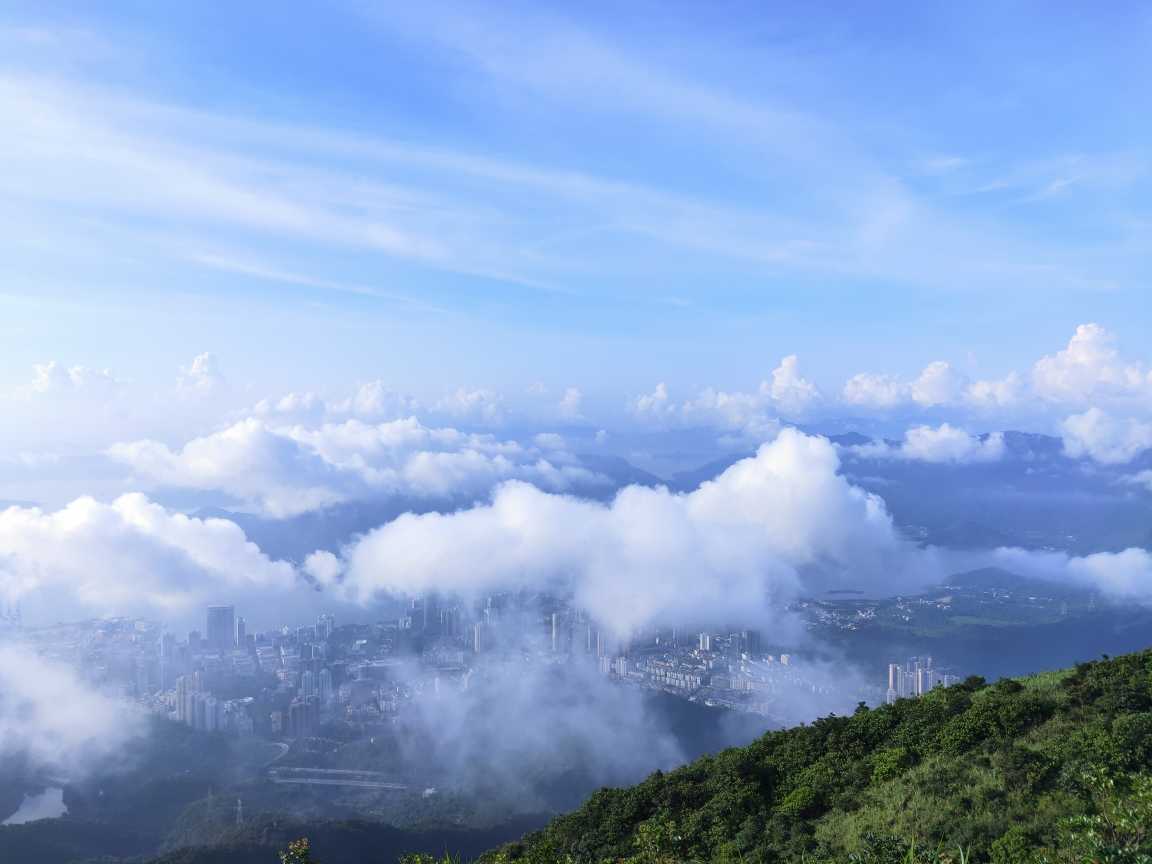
(570, 402)
(54, 379)
(480, 406)
(746, 413)
(53, 723)
(297, 405)
(753, 415)
(286, 470)
(937, 384)
(995, 393)
(733, 550)
(655, 405)
(1104, 438)
(202, 376)
(129, 556)
(939, 444)
(248, 460)
(375, 400)
(1089, 368)
(875, 391)
(789, 389)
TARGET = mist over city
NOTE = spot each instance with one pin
(417, 420)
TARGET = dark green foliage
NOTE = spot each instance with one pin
(298, 852)
(65, 840)
(336, 842)
(1049, 769)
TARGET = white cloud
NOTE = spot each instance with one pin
(202, 376)
(655, 405)
(550, 441)
(54, 722)
(938, 384)
(1104, 438)
(875, 391)
(754, 416)
(249, 461)
(570, 403)
(1123, 575)
(995, 393)
(1119, 574)
(736, 411)
(374, 400)
(157, 167)
(789, 390)
(323, 567)
(1141, 478)
(287, 470)
(939, 444)
(733, 550)
(297, 405)
(1089, 368)
(949, 444)
(485, 407)
(52, 378)
(130, 555)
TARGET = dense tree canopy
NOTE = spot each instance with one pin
(1052, 767)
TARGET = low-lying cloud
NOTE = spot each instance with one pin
(736, 549)
(53, 724)
(1097, 435)
(937, 444)
(129, 556)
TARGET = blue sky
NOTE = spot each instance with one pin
(286, 257)
(440, 196)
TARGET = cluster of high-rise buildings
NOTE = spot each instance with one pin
(282, 677)
(915, 677)
(205, 712)
(293, 680)
(289, 682)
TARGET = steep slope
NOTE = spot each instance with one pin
(999, 771)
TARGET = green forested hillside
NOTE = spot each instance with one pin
(1053, 767)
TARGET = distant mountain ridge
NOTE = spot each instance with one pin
(1035, 497)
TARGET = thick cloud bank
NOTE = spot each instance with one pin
(767, 528)
(287, 470)
(128, 556)
(52, 723)
(780, 524)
